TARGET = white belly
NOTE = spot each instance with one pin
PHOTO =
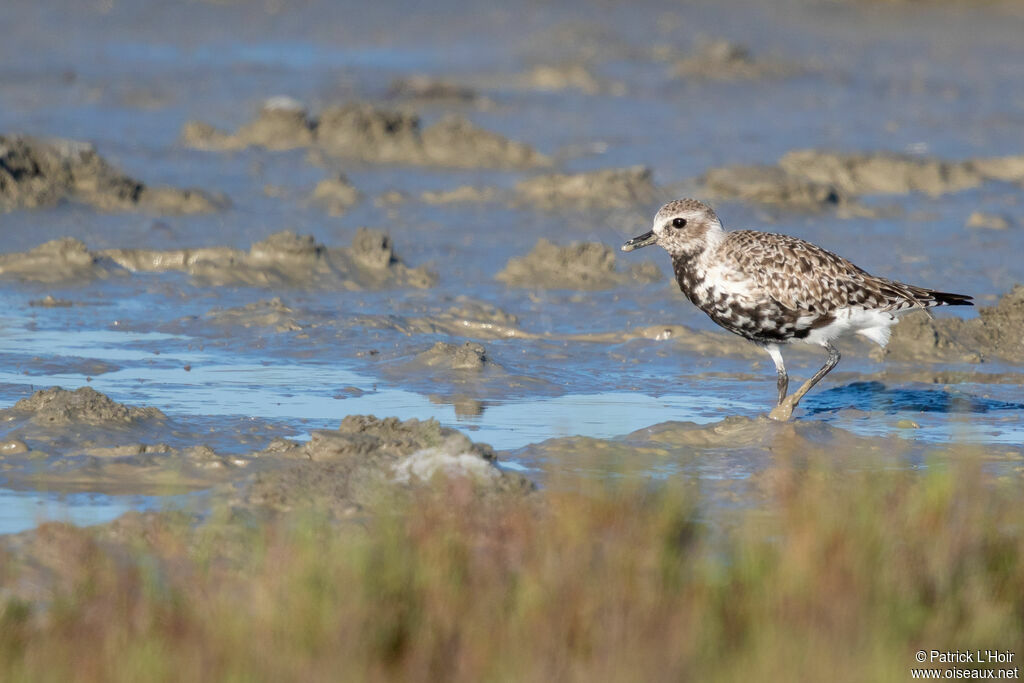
(872, 324)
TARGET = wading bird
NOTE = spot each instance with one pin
(774, 289)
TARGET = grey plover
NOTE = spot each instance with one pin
(774, 289)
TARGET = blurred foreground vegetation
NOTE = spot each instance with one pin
(842, 577)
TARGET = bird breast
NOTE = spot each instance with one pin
(735, 302)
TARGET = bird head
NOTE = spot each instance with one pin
(681, 226)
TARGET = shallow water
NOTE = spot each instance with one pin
(128, 77)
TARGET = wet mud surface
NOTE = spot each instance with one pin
(732, 457)
(417, 219)
(83, 440)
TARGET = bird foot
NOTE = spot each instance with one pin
(783, 411)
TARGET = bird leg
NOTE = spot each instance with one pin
(780, 369)
(784, 410)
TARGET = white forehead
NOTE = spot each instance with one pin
(690, 209)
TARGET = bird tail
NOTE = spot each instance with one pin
(904, 297)
(949, 299)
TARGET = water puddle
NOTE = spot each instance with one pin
(23, 510)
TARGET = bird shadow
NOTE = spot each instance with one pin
(876, 397)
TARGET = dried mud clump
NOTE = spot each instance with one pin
(608, 188)
(815, 178)
(988, 221)
(40, 173)
(336, 195)
(996, 334)
(57, 406)
(367, 133)
(283, 259)
(569, 76)
(456, 141)
(880, 172)
(373, 249)
(469, 356)
(345, 470)
(60, 260)
(273, 313)
(364, 132)
(468, 318)
(580, 266)
(769, 185)
(722, 60)
(50, 301)
(282, 123)
(430, 89)
(460, 195)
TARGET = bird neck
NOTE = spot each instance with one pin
(690, 247)
(687, 257)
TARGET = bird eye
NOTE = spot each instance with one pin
(678, 222)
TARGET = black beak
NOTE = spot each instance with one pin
(644, 240)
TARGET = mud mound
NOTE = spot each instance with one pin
(56, 406)
(282, 123)
(568, 76)
(37, 173)
(367, 133)
(462, 194)
(362, 131)
(996, 334)
(50, 301)
(282, 260)
(468, 318)
(272, 313)
(769, 185)
(722, 60)
(336, 195)
(469, 356)
(581, 265)
(608, 188)
(430, 89)
(349, 468)
(373, 249)
(881, 172)
(816, 178)
(469, 314)
(1008, 169)
(989, 221)
(456, 141)
(61, 260)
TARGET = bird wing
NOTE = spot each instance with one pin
(804, 277)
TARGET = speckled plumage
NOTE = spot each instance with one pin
(774, 289)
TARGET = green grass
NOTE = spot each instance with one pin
(842, 578)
